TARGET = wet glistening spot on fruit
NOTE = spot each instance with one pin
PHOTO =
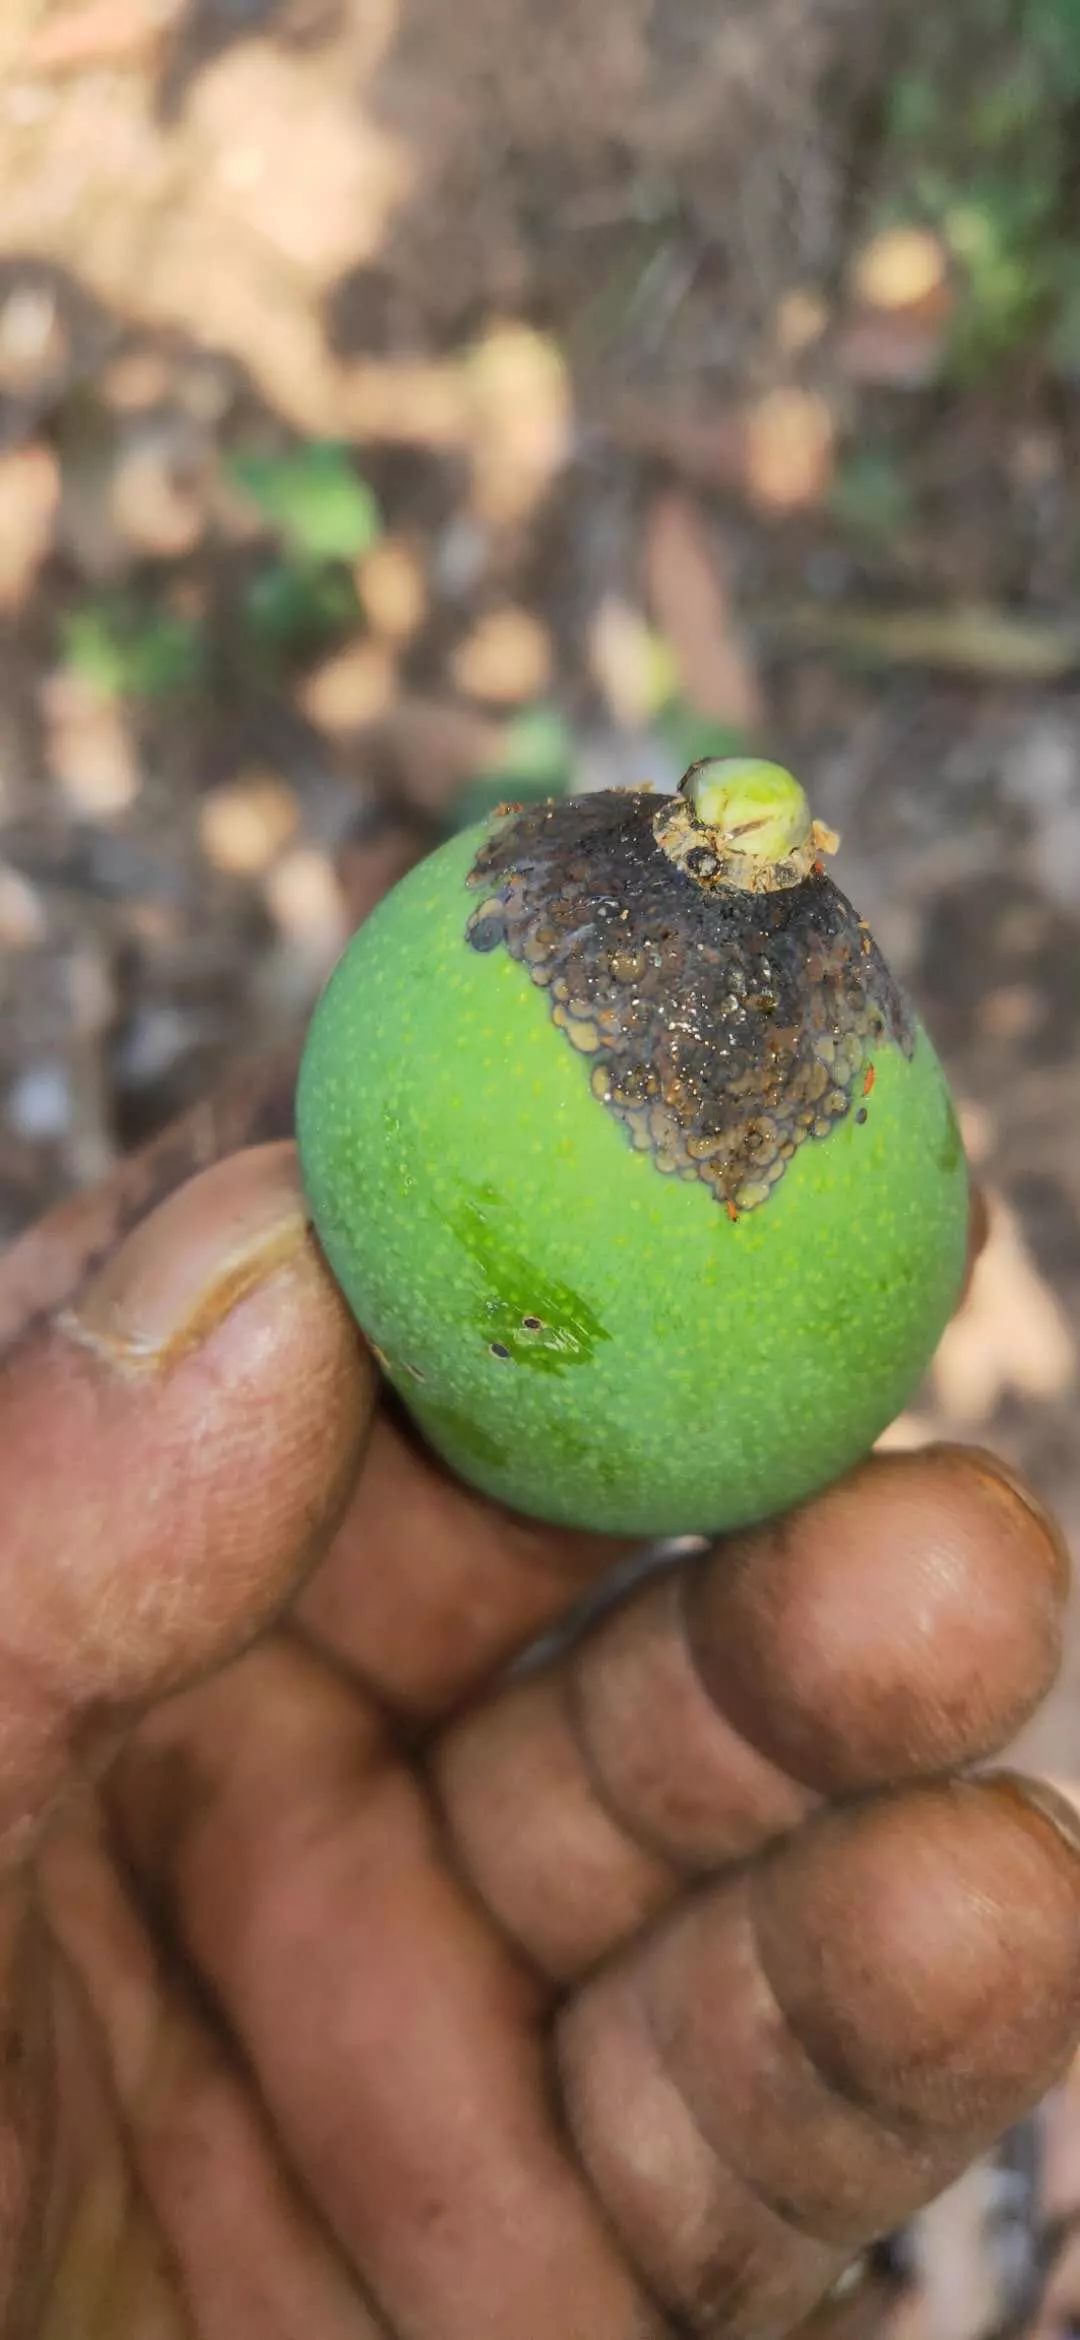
(528, 1318)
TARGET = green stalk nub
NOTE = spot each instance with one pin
(755, 809)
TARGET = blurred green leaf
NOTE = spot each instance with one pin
(488, 789)
(1054, 26)
(1065, 338)
(983, 128)
(535, 759)
(126, 652)
(315, 499)
(292, 607)
(870, 495)
(537, 746)
(914, 108)
(688, 735)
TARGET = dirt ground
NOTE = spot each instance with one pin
(402, 406)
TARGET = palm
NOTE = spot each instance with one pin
(390, 1998)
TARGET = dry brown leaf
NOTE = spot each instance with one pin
(520, 417)
(34, 345)
(900, 268)
(1010, 1335)
(158, 488)
(351, 688)
(961, 637)
(691, 604)
(634, 666)
(903, 299)
(789, 450)
(419, 403)
(978, 1130)
(89, 746)
(29, 501)
(136, 379)
(433, 746)
(246, 822)
(899, 350)
(506, 660)
(393, 589)
(101, 32)
(23, 923)
(288, 156)
(368, 867)
(1011, 1011)
(306, 902)
(705, 446)
(801, 318)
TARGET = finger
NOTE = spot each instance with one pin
(27, 2061)
(466, 1583)
(196, 2144)
(801, 2055)
(429, 1587)
(394, 2039)
(44, 1266)
(462, 1584)
(175, 1450)
(902, 1624)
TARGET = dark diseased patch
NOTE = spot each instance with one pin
(722, 1029)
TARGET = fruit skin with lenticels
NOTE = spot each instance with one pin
(633, 1161)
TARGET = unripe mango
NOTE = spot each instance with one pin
(634, 1163)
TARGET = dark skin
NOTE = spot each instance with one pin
(351, 1989)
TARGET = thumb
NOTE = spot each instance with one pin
(176, 1446)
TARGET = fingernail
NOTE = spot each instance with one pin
(1003, 1480)
(188, 1265)
(1041, 1797)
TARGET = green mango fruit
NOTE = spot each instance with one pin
(634, 1163)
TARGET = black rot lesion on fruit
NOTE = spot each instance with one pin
(722, 1029)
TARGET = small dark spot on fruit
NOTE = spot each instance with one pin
(532, 1324)
(498, 1349)
(862, 1114)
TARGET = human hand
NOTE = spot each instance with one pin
(357, 1990)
